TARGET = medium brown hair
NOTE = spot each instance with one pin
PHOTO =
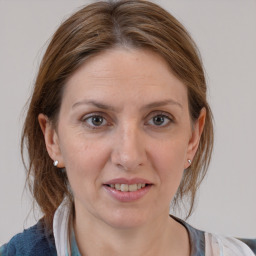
(90, 31)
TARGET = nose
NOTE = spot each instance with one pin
(129, 151)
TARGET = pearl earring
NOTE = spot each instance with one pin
(55, 163)
(189, 161)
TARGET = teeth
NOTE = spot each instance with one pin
(126, 187)
(133, 187)
(117, 187)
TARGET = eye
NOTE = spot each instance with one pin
(95, 121)
(160, 120)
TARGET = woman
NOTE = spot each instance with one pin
(118, 127)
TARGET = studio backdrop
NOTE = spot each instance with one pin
(225, 32)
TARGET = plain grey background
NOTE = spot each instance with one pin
(225, 31)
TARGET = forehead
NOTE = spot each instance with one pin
(131, 73)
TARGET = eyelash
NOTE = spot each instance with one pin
(86, 118)
(152, 115)
(163, 115)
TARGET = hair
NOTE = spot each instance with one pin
(95, 28)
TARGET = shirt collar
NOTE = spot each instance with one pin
(66, 242)
(196, 238)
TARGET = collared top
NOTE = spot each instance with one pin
(37, 241)
(201, 243)
(196, 237)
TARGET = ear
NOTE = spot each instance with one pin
(51, 140)
(197, 130)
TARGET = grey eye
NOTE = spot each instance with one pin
(96, 121)
(158, 120)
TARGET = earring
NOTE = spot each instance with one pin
(55, 163)
(189, 161)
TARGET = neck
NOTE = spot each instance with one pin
(162, 236)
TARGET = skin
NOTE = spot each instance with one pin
(132, 138)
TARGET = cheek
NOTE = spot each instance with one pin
(83, 162)
(78, 150)
(169, 160)
(170, 167)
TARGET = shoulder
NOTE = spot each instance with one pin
(32, 241)
(228, 246)
(251, 243)
(208, 244)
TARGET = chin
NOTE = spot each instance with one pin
(125, 219)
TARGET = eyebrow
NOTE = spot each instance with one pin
(162, 103)
(108, 107)
(94, 103)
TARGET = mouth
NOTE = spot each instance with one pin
(127, 187)
(127, 190)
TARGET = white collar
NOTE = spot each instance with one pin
(61, 228)
(215, 245)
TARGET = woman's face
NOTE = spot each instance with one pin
(124, 124)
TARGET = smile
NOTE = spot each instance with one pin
(126, 187)
(127, 191)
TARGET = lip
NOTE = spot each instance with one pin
(127, 196)
(128, 181)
